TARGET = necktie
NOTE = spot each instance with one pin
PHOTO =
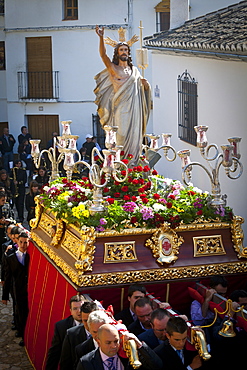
(23, 259)
(179, 352)
(109, 363)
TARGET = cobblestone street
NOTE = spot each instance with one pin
(12, 356)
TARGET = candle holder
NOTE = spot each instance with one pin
(229, 159)
(154, 146)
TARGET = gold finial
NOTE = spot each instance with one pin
(122, 38)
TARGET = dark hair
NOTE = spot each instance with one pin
(32, 184)
(136, 288)
(88, 307)
(216, 280)
(42, 168)
(159, 314)
(17, 161)
(141, 302)
(176, 324)
(76, 298)
(236, 294)
(22, 128)
(3, 194)
(23, 234)
(16, 230)
(115, 58)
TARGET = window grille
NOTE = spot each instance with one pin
(187, 108)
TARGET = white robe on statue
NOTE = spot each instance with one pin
(128, 108)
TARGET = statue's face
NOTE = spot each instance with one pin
(123, 52)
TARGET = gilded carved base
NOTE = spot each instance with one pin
(139, 255)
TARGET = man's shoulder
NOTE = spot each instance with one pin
(75, 330)
(146, 334)
(68, 321)
(91, 355)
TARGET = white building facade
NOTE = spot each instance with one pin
(212, 49)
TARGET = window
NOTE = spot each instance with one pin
(187, 108)
(163, 16)
(70, 9)
(1, 6)
(2, 56)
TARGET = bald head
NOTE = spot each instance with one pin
(108, 339)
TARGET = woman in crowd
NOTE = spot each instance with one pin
(4, 179)
(30, 202)
(42, 178)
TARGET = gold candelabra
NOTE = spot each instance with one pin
(229, 159)
(99, 176)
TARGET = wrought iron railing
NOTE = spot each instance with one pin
(38, 85)
(187, 108)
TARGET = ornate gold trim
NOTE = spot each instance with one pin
(158, 275)
(164, 244)
(116, 252)
(87, 249)
(210, 245)
(238, 236)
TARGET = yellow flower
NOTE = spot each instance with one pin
(63, 196)
(80, 211)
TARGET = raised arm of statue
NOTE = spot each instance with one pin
(102, 48)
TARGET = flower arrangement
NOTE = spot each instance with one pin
(145, 199)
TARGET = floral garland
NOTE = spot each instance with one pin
(144, 200)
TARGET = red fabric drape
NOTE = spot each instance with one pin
(48, 296)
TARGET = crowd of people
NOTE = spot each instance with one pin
(92, 337)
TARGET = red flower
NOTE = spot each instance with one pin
(96, 157)
(130, 170)
(146, 169)
(126, 197)
(140, 190)
(171, 196)
(125, 161)
(133, 220)
(116, 183)
(139, 168)
(199, 213)
(110, 200)
(64, 181)
(122, 153)
(135, 182)
(105, 190)
(116, 195)
(134, 198)
(191, 192)
(123, 173)
(130, 180)
(130, 156)
(145, 200)
(125, 188)
(154, 172)
(141, 181)
(143, 196)
(156, 196)
(169, 205)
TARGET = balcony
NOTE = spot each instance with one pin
(38, 86)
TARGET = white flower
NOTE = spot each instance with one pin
(197, 190)
(158, 207)
(70, 204)
(46, 188)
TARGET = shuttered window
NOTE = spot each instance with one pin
(70, 9)
(2, 56)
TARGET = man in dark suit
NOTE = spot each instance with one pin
(106, 356)
(18, 179)
(173, 353)
(17, 269)
(157, 334)
(75, 336)
(95, 320)
(128, 315)
(143, 309)
(60, 330)
(7, 142)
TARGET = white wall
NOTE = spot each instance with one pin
(201, 7)
(222, 91)
(74, 53)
